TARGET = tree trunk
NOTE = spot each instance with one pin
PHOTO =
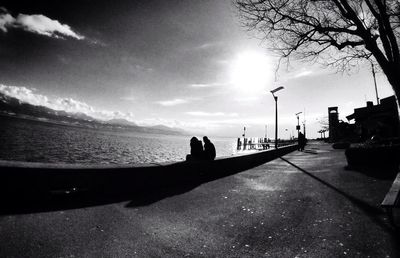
(394, 79)
(393, 76)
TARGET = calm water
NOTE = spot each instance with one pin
(26, 140)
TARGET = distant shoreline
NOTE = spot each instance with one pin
(106, 127)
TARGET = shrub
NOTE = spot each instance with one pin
(340, 145)
(374, 154)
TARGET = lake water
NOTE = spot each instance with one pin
(26, 140)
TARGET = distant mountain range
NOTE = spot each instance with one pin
(10, 106)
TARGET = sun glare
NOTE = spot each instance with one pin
(250, 72)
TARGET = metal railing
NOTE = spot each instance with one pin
(257, 143)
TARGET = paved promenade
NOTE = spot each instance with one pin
(305, 204)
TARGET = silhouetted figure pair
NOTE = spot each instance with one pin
(198, 153)
(301, 141)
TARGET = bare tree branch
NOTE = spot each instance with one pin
(337, 33)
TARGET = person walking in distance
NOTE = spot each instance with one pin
(302, 141)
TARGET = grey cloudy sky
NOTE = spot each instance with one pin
(187, 64)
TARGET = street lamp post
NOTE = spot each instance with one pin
(276, 114)
(298, 124)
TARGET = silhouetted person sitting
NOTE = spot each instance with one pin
(209, 149)
(196, 150)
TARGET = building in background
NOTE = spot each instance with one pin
(333, 118)
(381, 120)
(338, 129)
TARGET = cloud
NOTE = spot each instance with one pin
(6, 20)
(202, 113)
(204, 46)
(172, 102)
(206, 85)
(24, 95)
(151, 121)
(98, 42)
(297, 72)
(62, 104)
(128, 98)
(38, 24)
(71, 105)
(302, 74)
(247, 99)
(208, 45)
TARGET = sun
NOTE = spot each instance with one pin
(251, 72)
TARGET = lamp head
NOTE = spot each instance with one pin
(277, 89)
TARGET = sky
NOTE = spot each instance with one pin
(181, 63)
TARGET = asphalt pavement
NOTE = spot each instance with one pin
(305, 204)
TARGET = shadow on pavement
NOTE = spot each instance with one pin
(149, 197)
(310, 152)
(160, 188)
(372, 212)
(363, 205)
(56, 202)
(62, 201)
(384, 173)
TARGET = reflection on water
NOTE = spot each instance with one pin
(26, 140)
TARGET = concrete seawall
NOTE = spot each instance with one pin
(26, 178)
